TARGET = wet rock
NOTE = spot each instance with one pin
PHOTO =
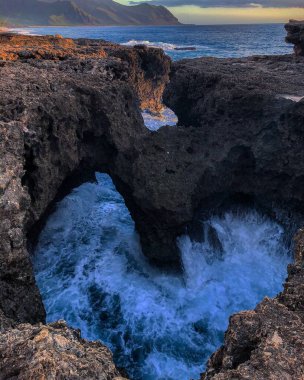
(53, 351)
(295, 35)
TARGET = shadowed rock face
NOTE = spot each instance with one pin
(295, 35)
(50, 132)
(67, 109)
(62, 117)
(240, 136)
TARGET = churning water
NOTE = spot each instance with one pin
(91, 272)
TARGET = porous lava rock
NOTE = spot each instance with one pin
(295, 35)
(53, 352)
(55, 134)
(146, 69)
(265, 343)
(240, 137)
(62, 117)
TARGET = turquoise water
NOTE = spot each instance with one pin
(91, 272)
(213, 40)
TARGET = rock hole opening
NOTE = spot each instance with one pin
(155, 120)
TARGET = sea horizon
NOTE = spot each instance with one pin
(184, 41)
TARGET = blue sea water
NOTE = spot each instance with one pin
(212, 40)
(91, 272)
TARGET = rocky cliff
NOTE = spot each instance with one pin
(69, 108)
(83, 12)
(239, 139)
(295, 35)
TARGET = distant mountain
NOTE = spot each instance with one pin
(83, 12)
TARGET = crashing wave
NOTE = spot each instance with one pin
(163, 45)
(91, 272)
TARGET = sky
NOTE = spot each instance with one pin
(232, 11)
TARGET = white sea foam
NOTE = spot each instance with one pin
(162, 45)
(24, 31)
(92, 273)
(294, 98)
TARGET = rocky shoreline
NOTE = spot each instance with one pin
(69, 108)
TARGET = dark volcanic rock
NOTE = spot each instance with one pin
(63, 116)
(60, 121)
(240, 137)
(19, 296)
(295, 35)
(245, 121)
(54, 133)
(145, 69)
(240, 133)
(68, 111)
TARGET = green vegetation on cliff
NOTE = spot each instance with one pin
(83, 12)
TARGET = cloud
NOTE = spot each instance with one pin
(229, 3)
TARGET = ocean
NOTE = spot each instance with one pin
(160, 326)
(212, 40)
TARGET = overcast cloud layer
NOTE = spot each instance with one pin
(231, 3)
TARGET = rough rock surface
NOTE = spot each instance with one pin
(81, 115)
(240, 138)
(62, 117)
(49, 131)
(245, 117)
(53, 352)
(295, 35)
(146, 69)
(265, 343)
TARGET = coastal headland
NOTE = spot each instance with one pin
(69, 108)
